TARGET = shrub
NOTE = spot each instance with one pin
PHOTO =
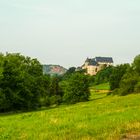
(117, 75)
(137, 88)
(128, 83)
(56, 99)
(136, 64)
(76, 88)
(103, 76)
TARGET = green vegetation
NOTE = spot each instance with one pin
(103, 117)
(20, 82)
(117, 74)
(104, 75)
(23, 86)
(104, 86)
(126, 78)
(123, 79)
(76, 88)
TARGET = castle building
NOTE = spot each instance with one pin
(94, 65)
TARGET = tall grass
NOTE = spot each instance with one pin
(102, 118)
(104, 86)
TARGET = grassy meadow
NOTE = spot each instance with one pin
(102, 118)
(104, 86)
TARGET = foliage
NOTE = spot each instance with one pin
(20, 82)
(56, 92)
(103, 76)
(137, 87)
(55, 100)
(117, 75)
(23, 86)
(54, 86)
(136, 64)
(69, 72)
(91, 80)
(129, 82)
(76, 88)
(1, 64)
(102, 118)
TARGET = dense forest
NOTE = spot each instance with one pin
(123, 79)
(23, 86)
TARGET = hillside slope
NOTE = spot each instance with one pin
(102, 118)
(54, 69)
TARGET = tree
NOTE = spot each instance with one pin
(19, 84)
(69, 72)
(76, 88)
(103, 76)
(128, 83)
(137, 87)
(54, 86)
(128, 78)
(44, 89)
(55, 90)
(117, 74)
(136, 64)
(1, 64)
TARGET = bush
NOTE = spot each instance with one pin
(3, 104)
(76, 89)
(125, 79)
(137, 88)
(56, 99)
(136, 64)
(128, 83)
(45, 101)
(20, 82)
(117, 74)
(103, 76)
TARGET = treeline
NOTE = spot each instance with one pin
(23, 86)
(123, 79)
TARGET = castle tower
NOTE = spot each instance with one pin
(87, 62)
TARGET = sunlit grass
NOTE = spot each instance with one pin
(102, 118)
(104, 86)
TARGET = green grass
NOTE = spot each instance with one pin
(102, 118)
(104, 86)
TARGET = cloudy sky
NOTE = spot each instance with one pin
(65, 32)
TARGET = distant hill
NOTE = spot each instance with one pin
(54, 69)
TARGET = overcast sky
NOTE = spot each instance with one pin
(65, 32)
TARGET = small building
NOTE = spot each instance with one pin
(96, 64)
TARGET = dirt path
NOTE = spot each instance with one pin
(131, 137)
(101, 91)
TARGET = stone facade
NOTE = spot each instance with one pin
(96, 64)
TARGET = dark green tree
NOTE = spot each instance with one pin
(136, 64)
(20, 82)
(128, 83)
(117, 74)
(55, 90)
(76, 88)
(104, 75)
(69, 72)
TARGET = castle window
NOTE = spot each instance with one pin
(96, 70)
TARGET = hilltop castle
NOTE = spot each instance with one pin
(96, 64)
